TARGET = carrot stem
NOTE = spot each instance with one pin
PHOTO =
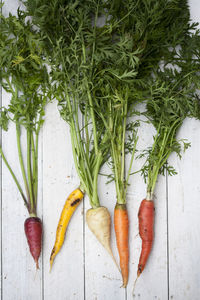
(131, 163)
(18, 134)
(33, 164)
(93, 120)
(95, 199)
(36, 160)
(36, 168)
(29, 171)
(14, 177)
(124, 112)
(87, 147)
(75, 141)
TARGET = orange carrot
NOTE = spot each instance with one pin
(121, 230)
(146, 224)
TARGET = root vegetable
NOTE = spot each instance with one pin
(33, 231)
(121, 230)
(69, 208)
(146, 224)
(99, 222)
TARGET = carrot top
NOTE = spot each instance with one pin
(100, 70)
(138, 46)
(24, 76)
(173, 97)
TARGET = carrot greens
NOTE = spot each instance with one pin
(72, 59)
(142, 32)
(75, 47)
(103, 57)
(172, 98)
(24, 76)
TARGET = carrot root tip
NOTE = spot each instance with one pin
(37, 265)
(124, 285)
(50, 268)
(139, 271)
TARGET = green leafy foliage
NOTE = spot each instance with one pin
(24, 75)
(102, 69)
(172, 98)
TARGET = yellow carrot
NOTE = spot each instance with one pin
(70, 206)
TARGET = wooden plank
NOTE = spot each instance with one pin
(102, 278)
(1, 196)
(66, 281)
(147, 286)
(184, 207)
(99, 266)
(19, 277)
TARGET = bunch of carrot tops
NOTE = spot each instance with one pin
(24, 75)
(105, 58)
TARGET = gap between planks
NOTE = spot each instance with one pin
(1, 283)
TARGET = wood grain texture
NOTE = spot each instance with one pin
(147, 286)
(19, 277)
(184, 207)
(101, 274)
(1, 197)
(66, 280)
(83, 270)
(184, 222)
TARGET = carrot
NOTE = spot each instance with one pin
(27, 80)
(121, 223)
(146, 224)
(33, 231)
(99, 222)
(70, 206)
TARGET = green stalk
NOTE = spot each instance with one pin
(75, 146)
(149, 184)
(75, 138)
(156, 168)
(119, 199)
(95, 199)
(123, 144)
(36, 164)
(113, 154)
(18, 134)
(97, 165)
(122, 153)
(85, 174)
(91, 106)
(131, 163)
(93, 121)
(83, 156)
(33, 155)
(10, 86)
(163, 158)
(29, 172)
(94, 34)
(14, 178)
(86, 133)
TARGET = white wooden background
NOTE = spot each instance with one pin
(83, 270)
